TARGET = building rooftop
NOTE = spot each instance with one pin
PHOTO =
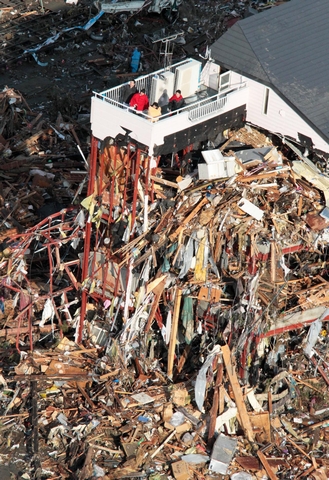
(110, 116)
(285, 48)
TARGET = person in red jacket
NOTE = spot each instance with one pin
(176, 101)
(139, 101)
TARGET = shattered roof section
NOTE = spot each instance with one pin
(285, 47)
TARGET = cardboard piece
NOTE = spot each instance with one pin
(180, 470)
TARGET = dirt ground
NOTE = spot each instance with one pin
(71, 68)
(42, 85)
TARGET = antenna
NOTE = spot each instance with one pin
(168, 48)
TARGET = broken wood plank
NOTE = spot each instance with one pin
(266, 465)
(162, 181)
(238, 396)
(173, 333)
(174, 235)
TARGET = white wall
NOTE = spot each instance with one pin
(210, 75)
(237, 79)
(280, 117)
(107, 120)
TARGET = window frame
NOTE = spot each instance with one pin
(266, 99)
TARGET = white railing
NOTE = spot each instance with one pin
(114, 95)
(196, 110)
(207, 107)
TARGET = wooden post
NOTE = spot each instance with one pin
(273, 261)
(173, 333)
(241, 406)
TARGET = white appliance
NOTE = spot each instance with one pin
(187, 77)
(216, 166)
(160, 83)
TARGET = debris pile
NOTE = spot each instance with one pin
(160, 318)
(238, 248)
(197, 359)
(43, 165)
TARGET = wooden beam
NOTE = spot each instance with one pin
(173, 333)
(251, 178)
(238, 396)
(158, 293)
(183, 358)
(188, 218)
(273, 261)
(164, 182)
(266, 465)
(215, 405)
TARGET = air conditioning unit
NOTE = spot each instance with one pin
(160, 83)
(187, 77)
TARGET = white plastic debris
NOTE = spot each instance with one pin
(201, 380)
(195, 458)
(312, 336)
(250, 208)
(222, 454)
(241, 476)
(48, 312)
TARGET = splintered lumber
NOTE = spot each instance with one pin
(109, 450)
(164, 182)
(294, 444)
(260, 176)
(183, 358)
(86, 396)
(158, 292)
(173, 333)
(188, 218)
(164, 443)
(238, 396)
(266, 465)
(273, 261)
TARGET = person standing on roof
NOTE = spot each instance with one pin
(128, 92)
(176, 101)
(139, 101)
(164, 102)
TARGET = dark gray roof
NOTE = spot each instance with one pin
(287, 48)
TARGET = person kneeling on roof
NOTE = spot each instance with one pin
(154, 112)
(139, 101)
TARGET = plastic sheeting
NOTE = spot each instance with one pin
(201, 380)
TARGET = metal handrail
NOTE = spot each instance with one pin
(115, 93)
(204, 108)
(195, 110)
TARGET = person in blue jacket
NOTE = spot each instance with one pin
(135, 60)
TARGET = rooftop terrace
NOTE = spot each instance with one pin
(110, 116)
